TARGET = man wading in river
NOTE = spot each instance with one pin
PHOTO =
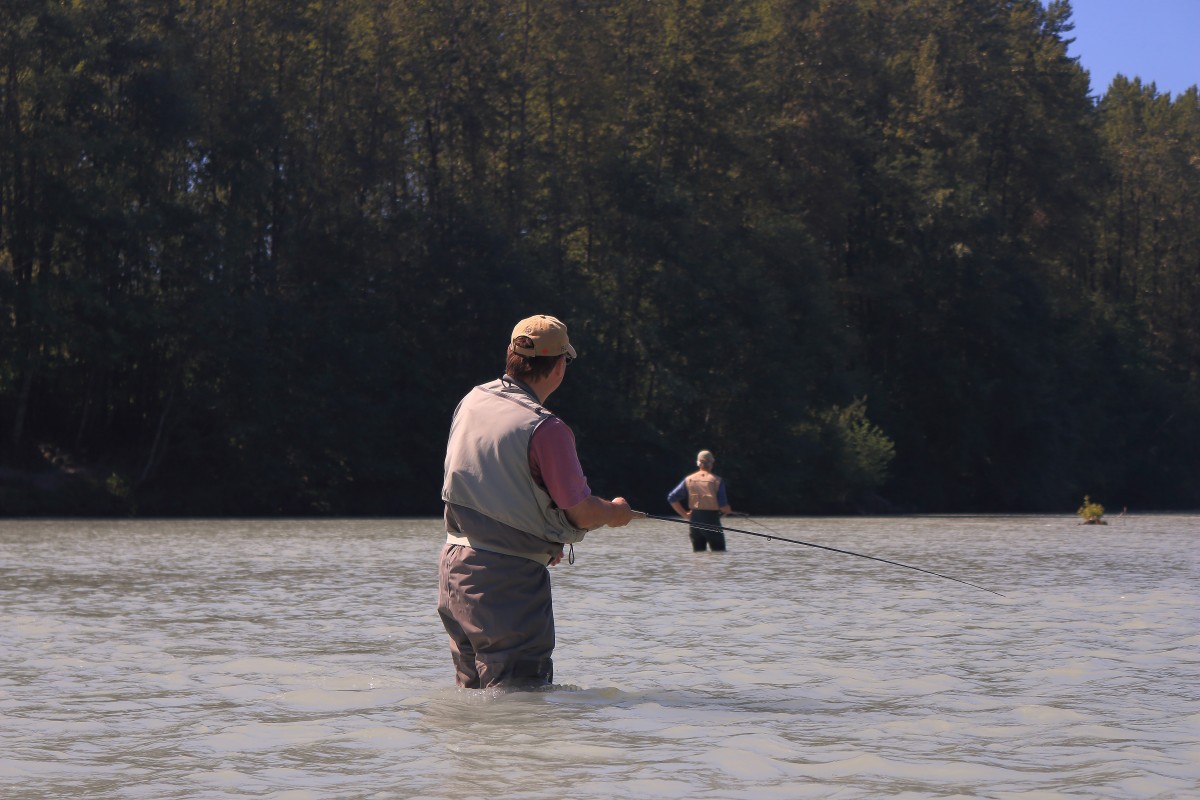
(515, 493)
(706, 502)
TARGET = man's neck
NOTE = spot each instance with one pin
(541, 389)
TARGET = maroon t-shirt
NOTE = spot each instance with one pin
(554, 463)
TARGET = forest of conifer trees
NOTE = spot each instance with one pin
(878, 255)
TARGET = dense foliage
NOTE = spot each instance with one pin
(252, 252)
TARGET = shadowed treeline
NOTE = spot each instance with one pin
(252, 252)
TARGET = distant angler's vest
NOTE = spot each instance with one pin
(487, 466)
(702, 488)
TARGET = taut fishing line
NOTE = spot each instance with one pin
(716, 528)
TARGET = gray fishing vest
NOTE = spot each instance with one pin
(487, 471)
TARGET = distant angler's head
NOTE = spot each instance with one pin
(705, 459)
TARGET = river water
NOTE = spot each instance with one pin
(304, 659)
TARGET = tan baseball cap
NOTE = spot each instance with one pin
(704, 457)
(549, 337)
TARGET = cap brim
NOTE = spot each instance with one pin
(571, 351)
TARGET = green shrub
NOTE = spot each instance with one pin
(853, 454)
(1089, 511)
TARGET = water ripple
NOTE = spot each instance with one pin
(303, 659)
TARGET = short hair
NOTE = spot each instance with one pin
(526, 367)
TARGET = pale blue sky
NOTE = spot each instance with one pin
(1155, 40)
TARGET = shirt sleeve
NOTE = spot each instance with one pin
(554, 463)
(679, 493)
(722, 498)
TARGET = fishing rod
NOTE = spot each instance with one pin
(718, 528)
(756, 521)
